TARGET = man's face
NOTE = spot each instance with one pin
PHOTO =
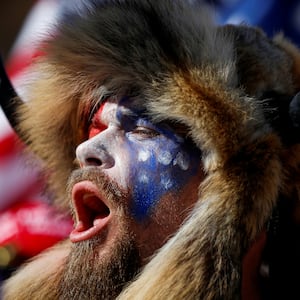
(137, 183)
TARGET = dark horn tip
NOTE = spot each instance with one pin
(8, 97)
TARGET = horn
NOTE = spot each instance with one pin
(9, 99)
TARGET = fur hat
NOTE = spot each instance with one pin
(231, 86)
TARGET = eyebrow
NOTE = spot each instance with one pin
(178, 127)
(128, 112)
(98, 96)
(94, 108)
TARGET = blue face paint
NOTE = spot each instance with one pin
(161, 161)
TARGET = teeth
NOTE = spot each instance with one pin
(86, 196)
(96, 221)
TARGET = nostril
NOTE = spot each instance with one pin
(92, 153)
(92, 161)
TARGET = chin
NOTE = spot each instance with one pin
(104, 243)
(104, 264)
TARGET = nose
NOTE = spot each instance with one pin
(93, 153)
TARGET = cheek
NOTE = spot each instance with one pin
(145, 184)
(121, 172)
(154, 175)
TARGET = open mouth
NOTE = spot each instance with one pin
(92, 213)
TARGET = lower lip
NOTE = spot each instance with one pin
(80, 233)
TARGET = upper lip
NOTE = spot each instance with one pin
(92, 211)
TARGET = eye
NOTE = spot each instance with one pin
(144, 132)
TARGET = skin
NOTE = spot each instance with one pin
(159, 170)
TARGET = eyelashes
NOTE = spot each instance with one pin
(144, 132)
(131, 121)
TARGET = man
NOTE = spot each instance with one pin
(180, 158)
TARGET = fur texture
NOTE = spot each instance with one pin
(219, 82)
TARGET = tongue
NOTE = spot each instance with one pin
(81, 233)
(92, 213)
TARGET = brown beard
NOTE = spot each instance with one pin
(99, 268)
(88, 275)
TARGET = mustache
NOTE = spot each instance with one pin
(112, 191)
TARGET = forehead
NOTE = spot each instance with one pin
(127, 109)
(114, 107)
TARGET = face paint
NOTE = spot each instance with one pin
(150, 160)
(162, 161)
(97, 126)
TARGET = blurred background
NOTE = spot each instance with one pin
(28, 224)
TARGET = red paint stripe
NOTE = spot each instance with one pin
(97, 126)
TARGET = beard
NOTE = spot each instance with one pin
(88, 275)
(99, 268)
